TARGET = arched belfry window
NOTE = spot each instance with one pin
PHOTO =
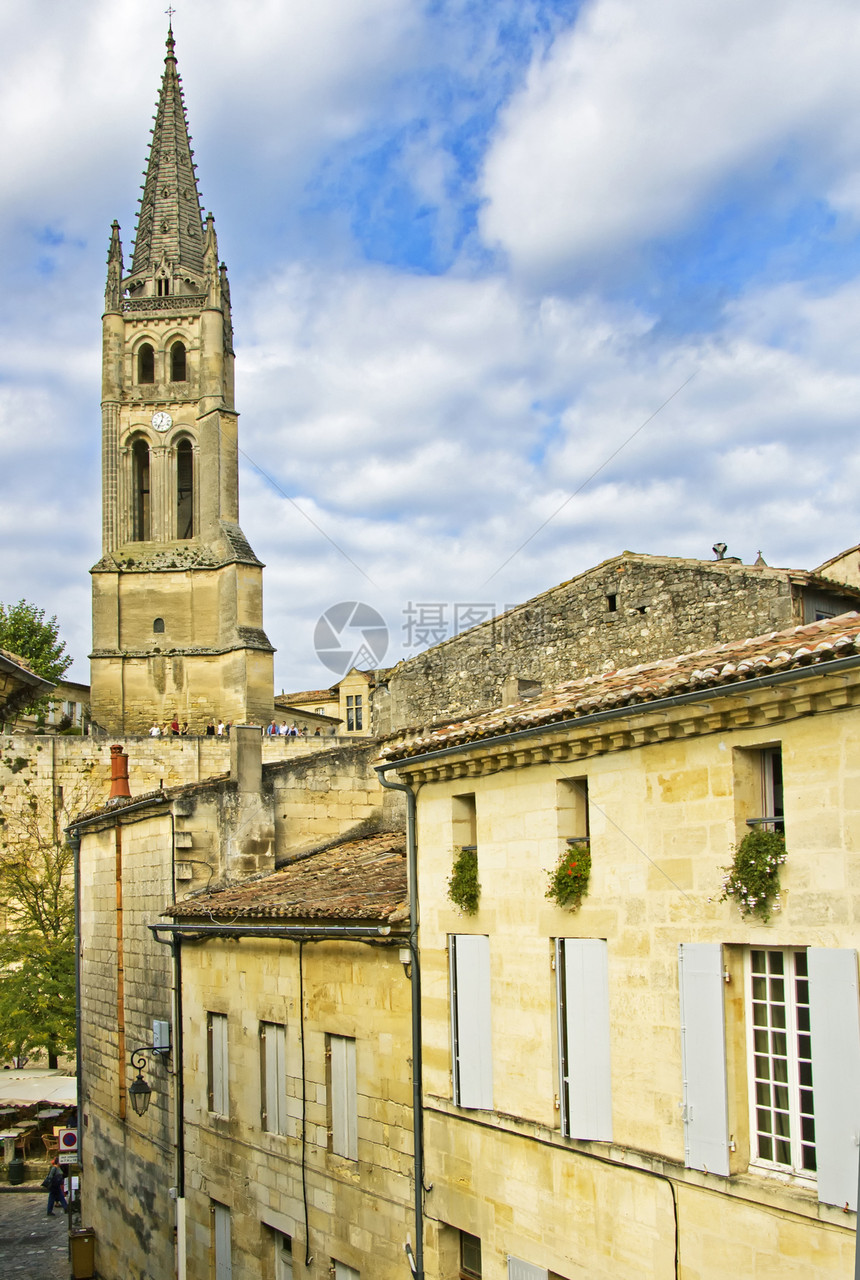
(141, 527)
(178, 363)
(146, 363)
(184, 490)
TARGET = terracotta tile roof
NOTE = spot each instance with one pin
(727, 664)
(356, 880)
(17, 660)
(308, 695)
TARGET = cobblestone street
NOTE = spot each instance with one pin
(32, 1245)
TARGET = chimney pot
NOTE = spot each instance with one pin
(118, 773)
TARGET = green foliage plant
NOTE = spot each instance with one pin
(26, 633)
(464, 888)
(37, 945)
(568, 881)
(752, 881)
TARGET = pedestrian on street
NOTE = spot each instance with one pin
(53, 1184)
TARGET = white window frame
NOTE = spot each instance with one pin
(218, 1083)
(343, 1096)
(468, 1241)
(343, 1272)
(779, 1060)
(773, 805)
(283, 1255)
(471, 1020)
(273, 1077)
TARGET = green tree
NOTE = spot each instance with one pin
(25, 632)
(37, 948)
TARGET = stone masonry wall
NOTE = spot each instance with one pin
(70, 775)
(329, 796)
(630, 609)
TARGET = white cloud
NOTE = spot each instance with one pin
(645, 107)
(427, 424)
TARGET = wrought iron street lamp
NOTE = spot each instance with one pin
(139, 1090)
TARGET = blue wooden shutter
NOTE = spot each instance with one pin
(703, 1045)
(588, 1099)
(223, 1248)
(274, 1075)
(470, 1020)
(835, 1031)
(344, 1097)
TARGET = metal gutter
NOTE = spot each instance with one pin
(107, 815)
(380, 934)
(637, 708)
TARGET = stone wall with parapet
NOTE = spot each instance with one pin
(70, 775)
(625, 611)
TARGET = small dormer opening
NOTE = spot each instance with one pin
(146, 363)
(163, 288)
(178, 363)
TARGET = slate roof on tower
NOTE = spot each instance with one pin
(170, 224)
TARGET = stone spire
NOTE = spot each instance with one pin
(113, 288)
(170, 226)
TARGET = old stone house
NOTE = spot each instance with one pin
(296, 1053)
(653, 1084)
(348, 703)
(277, 1020)
(629, 609)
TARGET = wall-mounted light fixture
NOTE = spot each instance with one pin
(140, 1091)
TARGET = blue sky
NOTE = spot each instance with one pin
(472, 248)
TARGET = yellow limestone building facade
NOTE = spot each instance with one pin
(653, 1085)
(177, 594)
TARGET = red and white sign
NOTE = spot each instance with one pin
(68, 1146)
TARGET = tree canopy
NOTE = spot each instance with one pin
(24, 631)
(37, 947)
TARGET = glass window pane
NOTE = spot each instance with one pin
(781, 1045)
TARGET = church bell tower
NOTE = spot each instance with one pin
(178, 592)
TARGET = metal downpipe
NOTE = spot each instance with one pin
(417, 1064)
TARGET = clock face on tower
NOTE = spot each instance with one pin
(162, 421)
